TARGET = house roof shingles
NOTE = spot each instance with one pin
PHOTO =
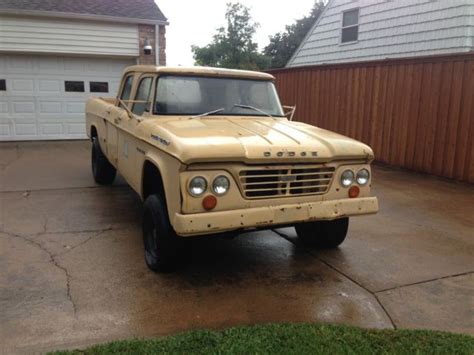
(138, 9)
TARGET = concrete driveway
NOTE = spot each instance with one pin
(72, 270)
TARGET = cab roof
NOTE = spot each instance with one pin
(200, 71)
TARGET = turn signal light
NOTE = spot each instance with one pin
(354, 191)
(209, 202)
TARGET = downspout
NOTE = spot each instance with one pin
(157, 45)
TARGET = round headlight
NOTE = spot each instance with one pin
(363, 177)
(347, 178)
(197, 186)
(220, 185)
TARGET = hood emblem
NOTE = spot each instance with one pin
(290, 154)
(160, 139)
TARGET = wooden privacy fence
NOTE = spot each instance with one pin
(415, 113)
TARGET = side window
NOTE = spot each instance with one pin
(350, 26)
(127, 88)
(142, 96)
(3, 85)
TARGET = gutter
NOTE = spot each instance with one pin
(157, 45)
(87, 17)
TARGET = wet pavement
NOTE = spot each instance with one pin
(72, 269)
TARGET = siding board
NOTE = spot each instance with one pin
(417, 113)
(62, 36)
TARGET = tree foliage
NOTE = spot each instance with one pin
(284, 44)
(233, 46)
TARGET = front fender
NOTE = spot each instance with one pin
(169, 168)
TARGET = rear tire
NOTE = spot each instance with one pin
(162, 245)
(102, 171)
(323, 234)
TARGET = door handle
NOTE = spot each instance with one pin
(117, 120)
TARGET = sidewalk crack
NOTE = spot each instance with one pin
(392, 322)
(424, 281)
(52, 259)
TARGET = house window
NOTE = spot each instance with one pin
(74, 86)
(350, 26)
(98, 86)
(3, 85)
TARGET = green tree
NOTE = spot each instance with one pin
(284, 44)
(233, 47)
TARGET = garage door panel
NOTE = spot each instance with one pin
(20, 62)
(26, 130)
(36, 104)
(4, 107)
(49, 65)
(22, 86)
(5, 130)
(51, 129)
(75, 107)
(75, 129)
(48, 86)
(48, 107)
(23, 108)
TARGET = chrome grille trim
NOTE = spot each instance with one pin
(286, 181)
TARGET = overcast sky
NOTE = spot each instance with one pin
(196, 21)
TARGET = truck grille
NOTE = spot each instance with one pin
(291, 181)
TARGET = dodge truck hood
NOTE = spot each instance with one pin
(248, 139)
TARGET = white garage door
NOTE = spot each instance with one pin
(43, 97)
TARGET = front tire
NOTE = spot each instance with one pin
(162, 245)
(323, 234)
(102, 171)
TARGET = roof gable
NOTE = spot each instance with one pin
(388, 29)
(136, 9)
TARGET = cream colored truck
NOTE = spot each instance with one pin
(210, 151)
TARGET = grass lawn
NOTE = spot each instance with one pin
(294, 339)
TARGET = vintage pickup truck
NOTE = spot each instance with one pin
(210, 151)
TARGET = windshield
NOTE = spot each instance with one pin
(194, 95)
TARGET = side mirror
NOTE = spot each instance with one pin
(125, 107)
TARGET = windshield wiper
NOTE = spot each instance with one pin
(208, 113)
(255, 109)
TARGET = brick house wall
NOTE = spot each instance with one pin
(147, 32)
(162, 39)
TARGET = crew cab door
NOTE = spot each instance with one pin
(128, 161)
(115, 119)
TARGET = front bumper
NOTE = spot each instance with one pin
(222, 221)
